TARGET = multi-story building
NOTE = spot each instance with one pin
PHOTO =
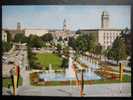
(105, 35)
(13, 32)
(4, 36)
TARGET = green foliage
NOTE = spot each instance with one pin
(9, 38)
(118, 50)
(126, 36)
(60, 39)
(7, 81)
(47, 37)
(66, 51)
(32, 58)
(72, 43)
(64, 63)
(84, 42)
(6, 46)
(59, 48)
(92, 42)
(81, 43)
(19, 37)
(98, 49)
(35, 41)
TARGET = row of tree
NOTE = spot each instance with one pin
(85, 42)
(33, 40)
(120, 49)
(88, 43)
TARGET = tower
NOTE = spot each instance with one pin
(18, 26)
(64, 25)
(104, 20)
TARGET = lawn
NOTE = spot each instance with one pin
(49, 58)
(7, 81)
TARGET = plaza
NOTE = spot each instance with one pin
(73, 54)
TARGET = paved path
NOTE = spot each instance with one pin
(117, 89)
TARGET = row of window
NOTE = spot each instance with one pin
(111, 34)
(108, 42)
(111, 37)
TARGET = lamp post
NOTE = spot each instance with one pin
(121, 67)
(15, 80)
(82, 83)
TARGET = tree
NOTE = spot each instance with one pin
(92, 42)
(126, 35)
(32, 59)
(64, 63)
(98, 49)
(60, 39)
(9, 38)
(19, 37)
(66, 51)
(59, 48)
(72, 42)
(118, 50)
(6, 46)
(47, 37)
(35, 41)
(81, 43)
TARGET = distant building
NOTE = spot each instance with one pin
(4, 36)
(18, 26)
(63, 33)
(34, 31)
(105, 35)
(13, 32)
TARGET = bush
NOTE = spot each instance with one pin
(6, 46)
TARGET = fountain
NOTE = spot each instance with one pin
(70, 72)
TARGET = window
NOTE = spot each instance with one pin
(104, 37)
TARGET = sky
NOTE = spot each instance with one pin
(77, 16)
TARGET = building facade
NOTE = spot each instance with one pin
(105, 35)
(4, 36)
(38, 32)
(13, 32)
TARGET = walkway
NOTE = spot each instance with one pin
(117, 89)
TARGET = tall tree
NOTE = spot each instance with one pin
(118, 50)
(19, 37)
(72, 42)
(81, 43)
(6, 46)
(92, 42)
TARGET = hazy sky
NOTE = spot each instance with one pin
(77, 17)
